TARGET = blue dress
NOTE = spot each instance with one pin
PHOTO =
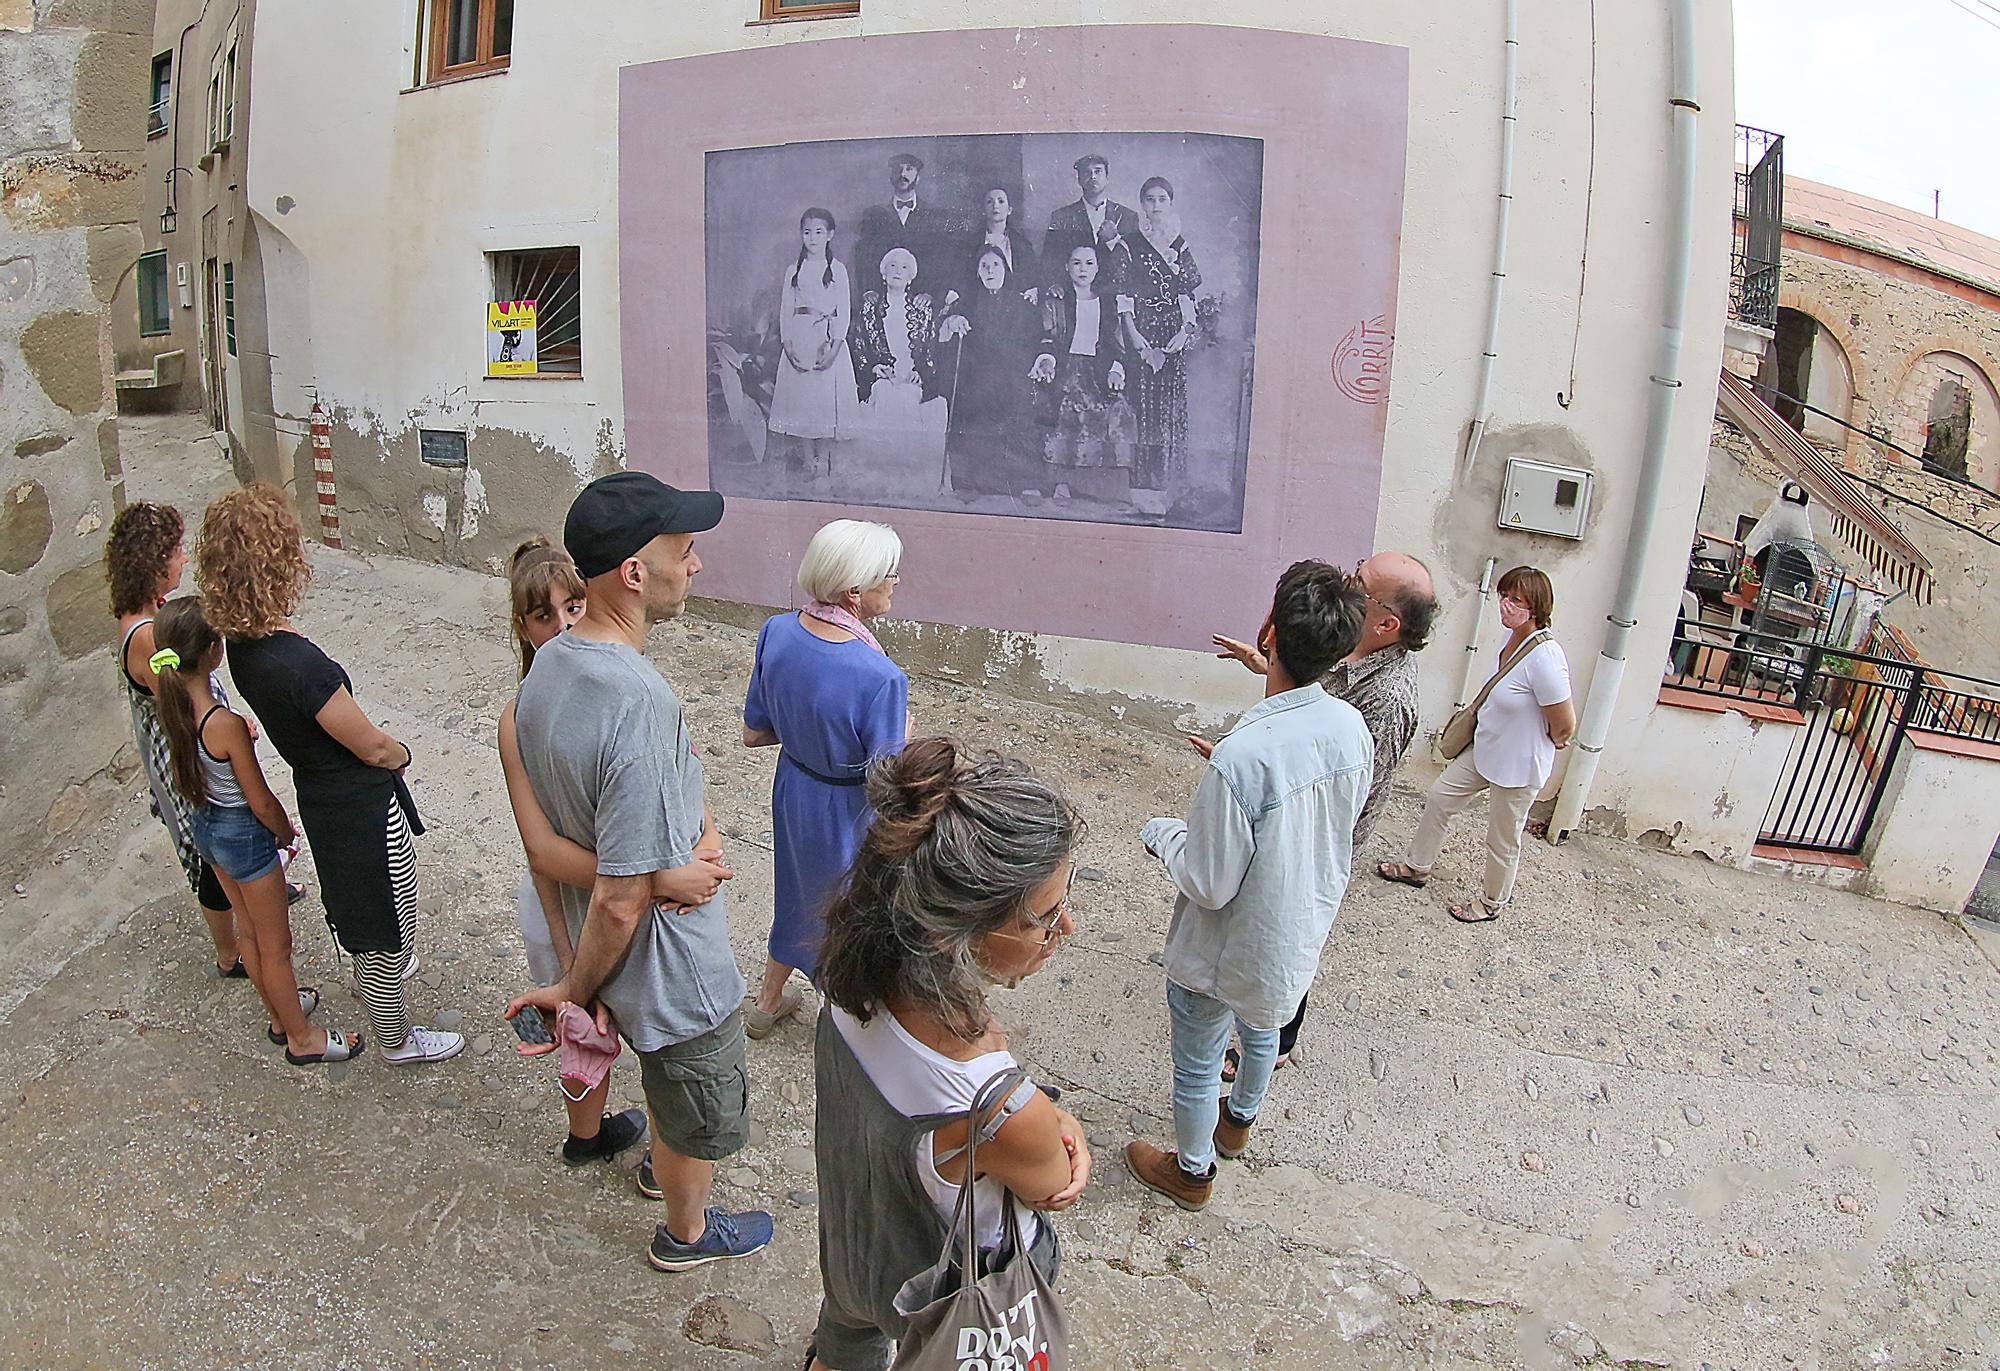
(834, 707)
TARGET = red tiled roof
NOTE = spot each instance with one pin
(1812, 208)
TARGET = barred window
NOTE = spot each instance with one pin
(552, 279)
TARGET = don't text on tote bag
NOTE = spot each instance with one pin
(1456, 736)
(962, 1318)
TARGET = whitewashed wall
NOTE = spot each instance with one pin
(389, 196)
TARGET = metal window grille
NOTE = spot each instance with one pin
(162, 97)
(1760, 215)
(552, 278)
(229, 306)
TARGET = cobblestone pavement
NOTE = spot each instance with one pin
(1662, 1114)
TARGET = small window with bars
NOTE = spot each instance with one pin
(551, 278)
(229, 307)
(160, 102)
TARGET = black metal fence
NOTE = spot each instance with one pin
(1857, 709)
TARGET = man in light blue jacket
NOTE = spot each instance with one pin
(1260, 866)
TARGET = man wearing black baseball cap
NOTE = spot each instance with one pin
(607, 750)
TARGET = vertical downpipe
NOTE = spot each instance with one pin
(1483, 392)
(1610, 673)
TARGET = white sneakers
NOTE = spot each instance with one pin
(423, 1045)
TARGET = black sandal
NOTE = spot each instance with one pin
(307, 1007)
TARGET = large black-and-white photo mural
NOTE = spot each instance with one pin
(1041, 325)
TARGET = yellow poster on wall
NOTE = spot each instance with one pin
(510, 338)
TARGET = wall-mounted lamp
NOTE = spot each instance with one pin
(169, 219)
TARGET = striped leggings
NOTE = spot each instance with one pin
(380, 974)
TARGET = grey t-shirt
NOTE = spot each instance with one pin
(611, 761)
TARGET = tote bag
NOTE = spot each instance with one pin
(962, 1315)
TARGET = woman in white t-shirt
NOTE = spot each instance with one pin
(1526, 718)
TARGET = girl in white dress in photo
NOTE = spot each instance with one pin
(814, 398)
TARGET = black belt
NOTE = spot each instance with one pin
(820, 776)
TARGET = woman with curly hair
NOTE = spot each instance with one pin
(347, 773)
(143, 561)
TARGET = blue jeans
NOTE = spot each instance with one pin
(1200, 1028)
(234, 841)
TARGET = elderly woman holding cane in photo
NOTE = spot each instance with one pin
(823, 690)
(1522, 717)
(962, 883)
(990, 449)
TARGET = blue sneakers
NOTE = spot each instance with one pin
(727, 1236)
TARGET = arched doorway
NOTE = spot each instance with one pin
(1807, 378)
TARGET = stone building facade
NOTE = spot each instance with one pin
(71, 133)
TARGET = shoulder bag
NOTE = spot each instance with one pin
(1456, 735)
(968, 1313)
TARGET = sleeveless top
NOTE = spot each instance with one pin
(220, 776)
(916, 1081)
(878, 1224)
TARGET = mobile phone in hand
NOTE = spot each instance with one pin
(533, 1031)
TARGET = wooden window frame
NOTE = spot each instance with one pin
(166, 320)
(771, 12)
(437, 20)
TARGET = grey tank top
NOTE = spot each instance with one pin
(223, 791)
(877, 1224)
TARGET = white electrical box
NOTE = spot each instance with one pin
(1540, 497)
(181, 285)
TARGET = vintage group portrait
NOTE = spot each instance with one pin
(1042, 325)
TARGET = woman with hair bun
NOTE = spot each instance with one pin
(823, 690)
(961, 883)
(347, 773)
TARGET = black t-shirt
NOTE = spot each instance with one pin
(286, 681)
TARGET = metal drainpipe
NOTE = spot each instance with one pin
(1478, 632)
(1610, 674)
(1483, 392)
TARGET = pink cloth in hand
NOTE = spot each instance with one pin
(586, 1053)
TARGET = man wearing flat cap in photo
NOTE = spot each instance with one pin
(1093, 218)
(929, 233)
(607, 750)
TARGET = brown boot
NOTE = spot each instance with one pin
(1161, 1171)
(1231, 1137)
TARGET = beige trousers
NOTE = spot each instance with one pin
(1453, 791)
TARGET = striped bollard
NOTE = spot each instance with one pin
(322, 446)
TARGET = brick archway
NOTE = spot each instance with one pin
(1860, 386)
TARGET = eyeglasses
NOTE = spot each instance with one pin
(1051, 922)
(1362, 586)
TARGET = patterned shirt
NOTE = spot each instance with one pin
(1383, 687)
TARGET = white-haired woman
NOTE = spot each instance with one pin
(822, 690)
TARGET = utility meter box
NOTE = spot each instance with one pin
(1540, 497)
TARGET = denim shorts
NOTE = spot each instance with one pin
(234, 842)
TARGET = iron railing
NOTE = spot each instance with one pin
(1856, 706)
(1760, 226)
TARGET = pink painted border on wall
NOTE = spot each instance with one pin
(1332, 114)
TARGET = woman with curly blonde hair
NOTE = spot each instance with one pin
(348, 773)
